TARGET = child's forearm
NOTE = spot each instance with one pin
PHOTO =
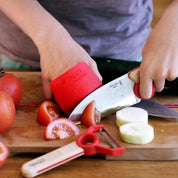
(160, 53)
(31, 17)
(170, 16)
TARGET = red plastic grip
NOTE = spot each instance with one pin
(74, 85)
(137, 93)
(89, 141)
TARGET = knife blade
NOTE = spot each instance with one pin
(109, 98)
(158, 110)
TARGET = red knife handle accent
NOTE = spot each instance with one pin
(137, 93)
(89, 141)
(74, 85)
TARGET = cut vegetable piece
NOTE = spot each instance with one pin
(47, 112)
(90, 115)
(60, 128)
(137, 133)
(131, 114)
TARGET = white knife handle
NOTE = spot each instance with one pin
(51, 160)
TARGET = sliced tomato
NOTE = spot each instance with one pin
(7, 111)
(12, 85)
(90, 115)
(47, 112)
(60, 128)
(4, 152)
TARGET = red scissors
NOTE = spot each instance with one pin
(86, 144)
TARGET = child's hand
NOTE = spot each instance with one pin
(160, 53)
(58, 53)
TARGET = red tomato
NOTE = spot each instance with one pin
(61, 128)
(47, 112)
(90, 115)
(3, 153)
(12, 85)
(7, 111)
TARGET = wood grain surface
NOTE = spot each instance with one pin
(26, 135)
(92, 166)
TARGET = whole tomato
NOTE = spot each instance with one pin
(12, 85)
(7, 111)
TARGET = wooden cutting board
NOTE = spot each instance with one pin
(26, 135)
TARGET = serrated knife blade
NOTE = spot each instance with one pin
(109, 98)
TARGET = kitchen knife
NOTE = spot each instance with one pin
(156, 109)
(109, 98)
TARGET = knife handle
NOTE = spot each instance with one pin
(134, 76)
(137, 93)
(51, 160)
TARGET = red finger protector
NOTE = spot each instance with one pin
(137, 93)
(74, 85)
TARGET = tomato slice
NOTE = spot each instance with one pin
(47, 112)
(4, 152)
(61, 128)
(90, 115)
